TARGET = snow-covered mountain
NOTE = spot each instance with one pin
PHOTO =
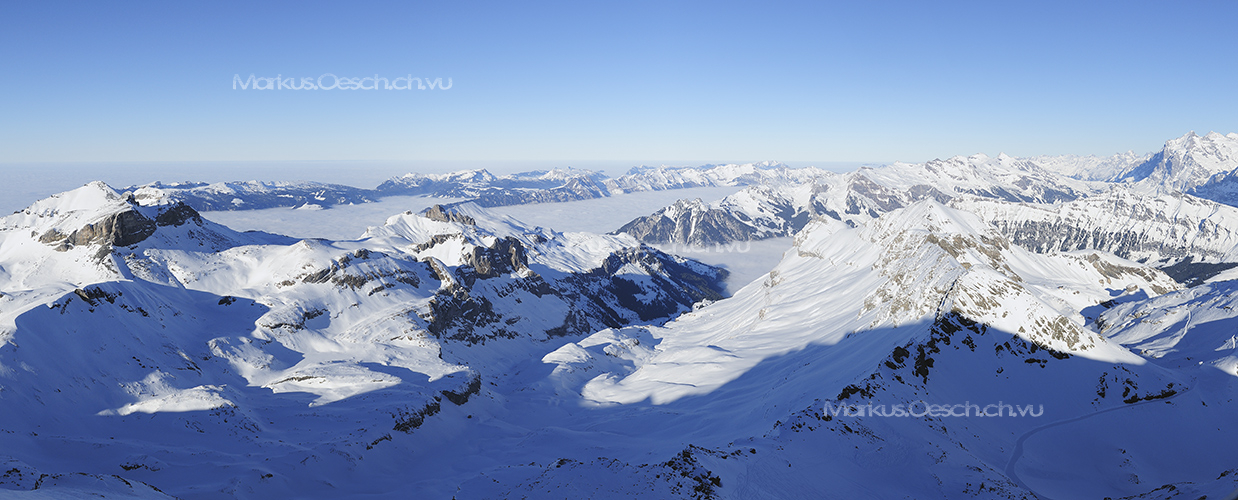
(1204, 166)
(781, 209)
(1190, 238)
(1200, 165)
(756, 213)
(1002, 177)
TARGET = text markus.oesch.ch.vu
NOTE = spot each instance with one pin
(328, 81)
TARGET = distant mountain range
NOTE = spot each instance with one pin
(476, 186)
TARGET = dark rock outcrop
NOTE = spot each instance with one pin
(124, 228)
(445, 214)
(504, 256)
(178, 214)
(121, 229)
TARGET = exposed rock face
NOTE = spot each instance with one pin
(177, 215)
(682, 282)
(124, 228)
(505, 256)
(443, 214)
(121, 229)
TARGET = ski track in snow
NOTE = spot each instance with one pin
(1018, 446)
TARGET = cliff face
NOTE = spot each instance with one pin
(119, 229)
(120, 222)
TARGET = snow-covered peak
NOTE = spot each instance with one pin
(90, 215)
(84, 235)
(683, 206)
(71, 208)
(1202, 165)
(1215, 152)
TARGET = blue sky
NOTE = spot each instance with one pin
(612, 81)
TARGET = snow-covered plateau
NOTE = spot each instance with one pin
(973, 327)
